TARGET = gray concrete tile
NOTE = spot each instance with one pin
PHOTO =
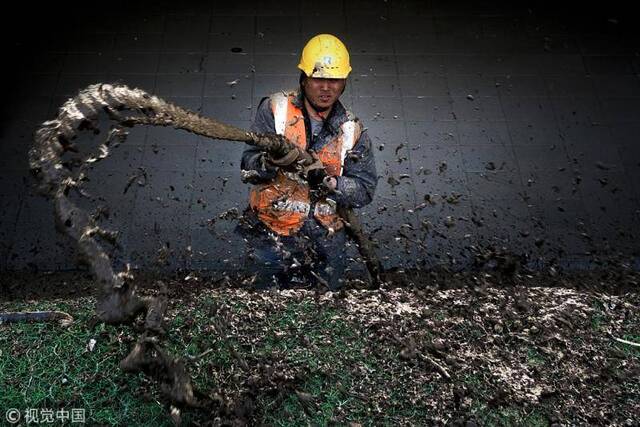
(625, 134)
(278, 43)
(423, 85)
(550, 184)
(604, 159)
(494, 185)
(44, 63)
(393, 249)
(580, 138)
(605, 44)
(621, 110)
(266, 85)
(577, 111)
(542, 158)
(360, 43)
(182, 23)
(40, 85)
(314, 23)
(14, 183)
(431, 108)
(165, 197)
(280, 24)
(447, 229)
(227, 109)
(233, 25)
(559, 211)
(137, 42)
(371, 109)
(230, 86)
(169, 157)
(619, 86)
(91, 43)
(277, 7)
(570, 85)
(524, 132)
(484, 108)
(441, 164)
(459, 44)
(549, 98)
(559, 64)
(240, 43)
(277, 64)
(215, 195)
(162, 136)
(188, 42)
(378, 86)
(484, 133)
(374, 64)
(139, 63)
(229, 63)
(529, 109)
(521, 85)
(181, 63)
(408, 9)
(122, 159)
(409, 63)
(180, 85)
(86, 63)
(357, 8)
(105, 23)
(489, 158)
(333, 8)
(471, 84)
(608, 64)
(432, 133)
(216, 251)
(220, 155)
(416, 46)
(388, 133)
(40, 246)
(395, 184)
(233, 9)
(436, 192)
(149, 23)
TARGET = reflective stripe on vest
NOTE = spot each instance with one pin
(349, 139)
(280, 105)
(283, 204)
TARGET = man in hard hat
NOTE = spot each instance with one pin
(292, 226)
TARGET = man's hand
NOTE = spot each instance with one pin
(289, 161)
(331, 182)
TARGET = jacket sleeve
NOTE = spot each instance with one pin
(254, 167)
(359, 179)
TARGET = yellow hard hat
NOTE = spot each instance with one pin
(325, 56)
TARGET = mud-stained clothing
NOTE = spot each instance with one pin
(284, 220)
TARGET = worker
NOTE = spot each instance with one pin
(294, 235)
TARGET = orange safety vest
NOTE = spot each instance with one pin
(284, 204)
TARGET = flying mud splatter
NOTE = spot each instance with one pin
(117, 299)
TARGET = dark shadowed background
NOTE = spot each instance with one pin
(494, 125)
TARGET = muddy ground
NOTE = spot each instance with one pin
(472, 348)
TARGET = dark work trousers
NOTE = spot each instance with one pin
(312, 257)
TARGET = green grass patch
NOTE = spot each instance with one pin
(44, 366)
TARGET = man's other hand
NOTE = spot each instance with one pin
(288, 161)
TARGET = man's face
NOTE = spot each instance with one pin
(323, 93)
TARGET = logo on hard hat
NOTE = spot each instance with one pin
(327, 59)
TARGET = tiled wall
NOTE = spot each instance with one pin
(492, 125)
